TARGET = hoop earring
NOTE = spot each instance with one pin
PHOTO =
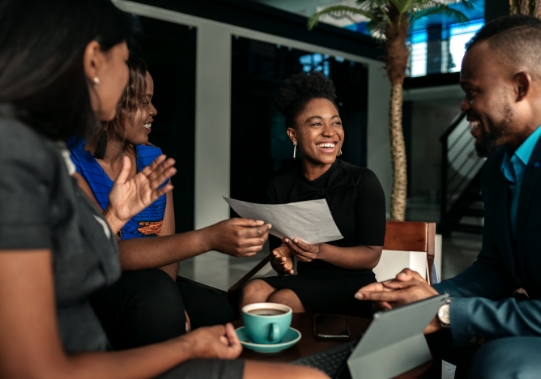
(294, 149)
(96, 80)
(339, 153)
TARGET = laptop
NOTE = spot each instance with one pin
(393, 343)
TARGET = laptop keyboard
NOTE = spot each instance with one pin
(330, 361)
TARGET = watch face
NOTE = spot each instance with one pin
(443, 314)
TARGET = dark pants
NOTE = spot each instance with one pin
(147, 306)
(207, 369)
(510, 357)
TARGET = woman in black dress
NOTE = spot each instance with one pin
(329, 273)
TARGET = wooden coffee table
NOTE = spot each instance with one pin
(308, 345)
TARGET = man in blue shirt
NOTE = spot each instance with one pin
(485, 319)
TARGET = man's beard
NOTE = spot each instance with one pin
(487, 144)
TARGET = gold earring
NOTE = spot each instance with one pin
(339, 153)
(294, 149)
(96, 80)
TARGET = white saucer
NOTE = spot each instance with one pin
(291, 337)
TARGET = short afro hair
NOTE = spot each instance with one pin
(516, 39)
(298, 90)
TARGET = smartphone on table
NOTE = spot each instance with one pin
(331, 327)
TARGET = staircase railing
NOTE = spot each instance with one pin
(459, 163)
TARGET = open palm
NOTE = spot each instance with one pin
(128, 197)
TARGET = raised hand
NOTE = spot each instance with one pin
(407, 288)
(282, 259)
(238, 237)
(213, 342)
(128, 197)
(301, 250)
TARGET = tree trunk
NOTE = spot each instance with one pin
(398, 153)
(396, 61)
(536, 11)
(527, 7)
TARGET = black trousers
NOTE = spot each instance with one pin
(147, 306)
(442, 348)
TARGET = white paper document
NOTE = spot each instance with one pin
(310, 221)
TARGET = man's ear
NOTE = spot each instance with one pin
(92, 60)
(522, 83)
(292, 134)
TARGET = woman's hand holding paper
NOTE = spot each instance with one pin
(303, 251)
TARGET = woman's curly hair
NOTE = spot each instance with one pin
(298, 90)
(131, 99)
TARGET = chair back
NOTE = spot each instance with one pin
(413, 238)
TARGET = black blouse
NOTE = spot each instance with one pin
(356, 201)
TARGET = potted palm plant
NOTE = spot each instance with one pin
(390, 21)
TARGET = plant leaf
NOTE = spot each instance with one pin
(336, 11)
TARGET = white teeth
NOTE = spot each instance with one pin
(327, 145)
(148, 126)
(474, 124)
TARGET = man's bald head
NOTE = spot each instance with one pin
(516, 40)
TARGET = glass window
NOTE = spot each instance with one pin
(459, 36)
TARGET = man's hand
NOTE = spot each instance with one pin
(213, 342)
(282, 260)
(129, 197)
(301, 250)
(408, 287)
(238, 237)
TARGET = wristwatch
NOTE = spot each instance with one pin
(443, 314)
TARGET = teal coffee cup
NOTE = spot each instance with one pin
(266, 323)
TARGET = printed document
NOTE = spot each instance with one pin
(310, 221)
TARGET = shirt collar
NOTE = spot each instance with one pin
(521, 155)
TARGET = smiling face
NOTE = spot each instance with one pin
(137, 126)
(490, 100)
(318, 132)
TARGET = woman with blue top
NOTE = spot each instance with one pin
(62, 69)
(150, 303)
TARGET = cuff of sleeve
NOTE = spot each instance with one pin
(461, 327)
(24, 237)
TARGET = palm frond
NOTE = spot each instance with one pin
(337, 11)
(403, 6)
(445, 9)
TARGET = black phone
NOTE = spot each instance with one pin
(331, 327)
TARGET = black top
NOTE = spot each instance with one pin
(41, 207)
(356, 201)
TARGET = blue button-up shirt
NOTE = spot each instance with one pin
(513, 169)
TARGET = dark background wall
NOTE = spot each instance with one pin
(169, 50)
(495, 9)
(260, 148)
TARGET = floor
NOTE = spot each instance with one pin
(221, 271)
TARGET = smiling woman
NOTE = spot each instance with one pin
(328, 273)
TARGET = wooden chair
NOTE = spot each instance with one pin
(414, 236)
(404, 236)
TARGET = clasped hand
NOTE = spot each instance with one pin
(128, 197)
(213, 342)
(407, 287)
(282, 259)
